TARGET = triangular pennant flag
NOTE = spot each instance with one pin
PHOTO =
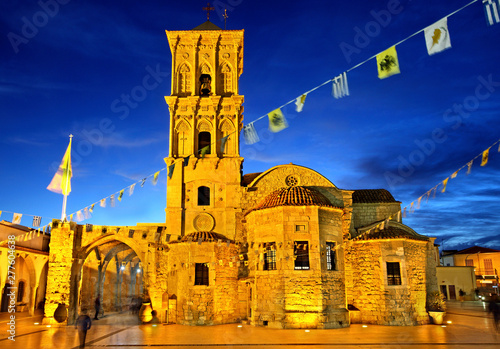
(277, 121)
(418, 202)
(86, 213)
(131, 190)
(36, 221)
(387, 63)
(121, 195)
(339, 87)
(249, 134)
(71, 217)
(437, 37)
(454, 174)
(102, 203)
(91, 208)
(38, 233)
(398, 216)
(445, 182)
(0, 213)
(16, 219)
(171, 170)
(486, 154)
(204, 151)
(300, 103)
(112, 200)
(143, 181)
(491, 10)
(25, 237)
(469, 166)
(411, 208)
(186, 160)
(155, 177)
(498, 151)
(223, 143)
(79, 216)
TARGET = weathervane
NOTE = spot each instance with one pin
(208, 9)
(225, 18)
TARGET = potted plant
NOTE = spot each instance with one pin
(436, 306)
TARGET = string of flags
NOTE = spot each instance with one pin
(441, 187)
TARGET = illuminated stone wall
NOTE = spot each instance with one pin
(200, 304)
(365, 214)
(367, 287)
(289, 298)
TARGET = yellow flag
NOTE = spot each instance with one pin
(445, 182)
(387, 63)
(277, 121)
(61, 183)
(484, 160)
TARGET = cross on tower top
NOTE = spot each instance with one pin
(208, 9)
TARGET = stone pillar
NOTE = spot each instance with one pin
(62, 244)
(32, 303)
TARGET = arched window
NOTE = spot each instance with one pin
(204, 140)
(203, 196)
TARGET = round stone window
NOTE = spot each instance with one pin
(291, 181)
(204, 222)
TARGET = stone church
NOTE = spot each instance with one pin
(284, 248)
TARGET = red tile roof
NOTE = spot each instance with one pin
(391, 233)
(477, 249)
(364, 196)
(294, 196)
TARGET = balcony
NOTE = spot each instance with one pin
(488, 273)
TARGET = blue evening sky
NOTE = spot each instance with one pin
(67, 66)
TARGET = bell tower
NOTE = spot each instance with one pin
(206, 117)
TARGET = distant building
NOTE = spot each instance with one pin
(284, 248)
(486, 264)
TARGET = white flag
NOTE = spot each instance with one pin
(250, 134)
(437, 37)
(340, 88)
(17, 218)
(300, 103)
(79, 216)
(491, 8)
(36, 221)
(131, 189)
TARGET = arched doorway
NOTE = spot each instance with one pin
(113, 271)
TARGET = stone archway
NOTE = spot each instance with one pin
(110, 269)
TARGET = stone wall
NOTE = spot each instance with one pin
(366, 281)
(365, 214)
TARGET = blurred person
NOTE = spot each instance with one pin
(97, 305)
(155, 320)
(83, 324)
(494, 308)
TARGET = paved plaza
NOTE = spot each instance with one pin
(470, 327)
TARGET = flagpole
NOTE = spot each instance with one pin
(65, 200)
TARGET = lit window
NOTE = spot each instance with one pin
(331, 258)
(301, 254)
(203, 196)
(270, 256)
(393, 273)
(201, 274)
(300, 227)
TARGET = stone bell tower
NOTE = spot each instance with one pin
(206, 116)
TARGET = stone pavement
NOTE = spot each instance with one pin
(470, 327)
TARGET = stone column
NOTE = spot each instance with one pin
(62, 244)
(32, 303)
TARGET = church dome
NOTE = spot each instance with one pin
(294, 196)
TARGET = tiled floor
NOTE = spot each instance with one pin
(470, 327)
